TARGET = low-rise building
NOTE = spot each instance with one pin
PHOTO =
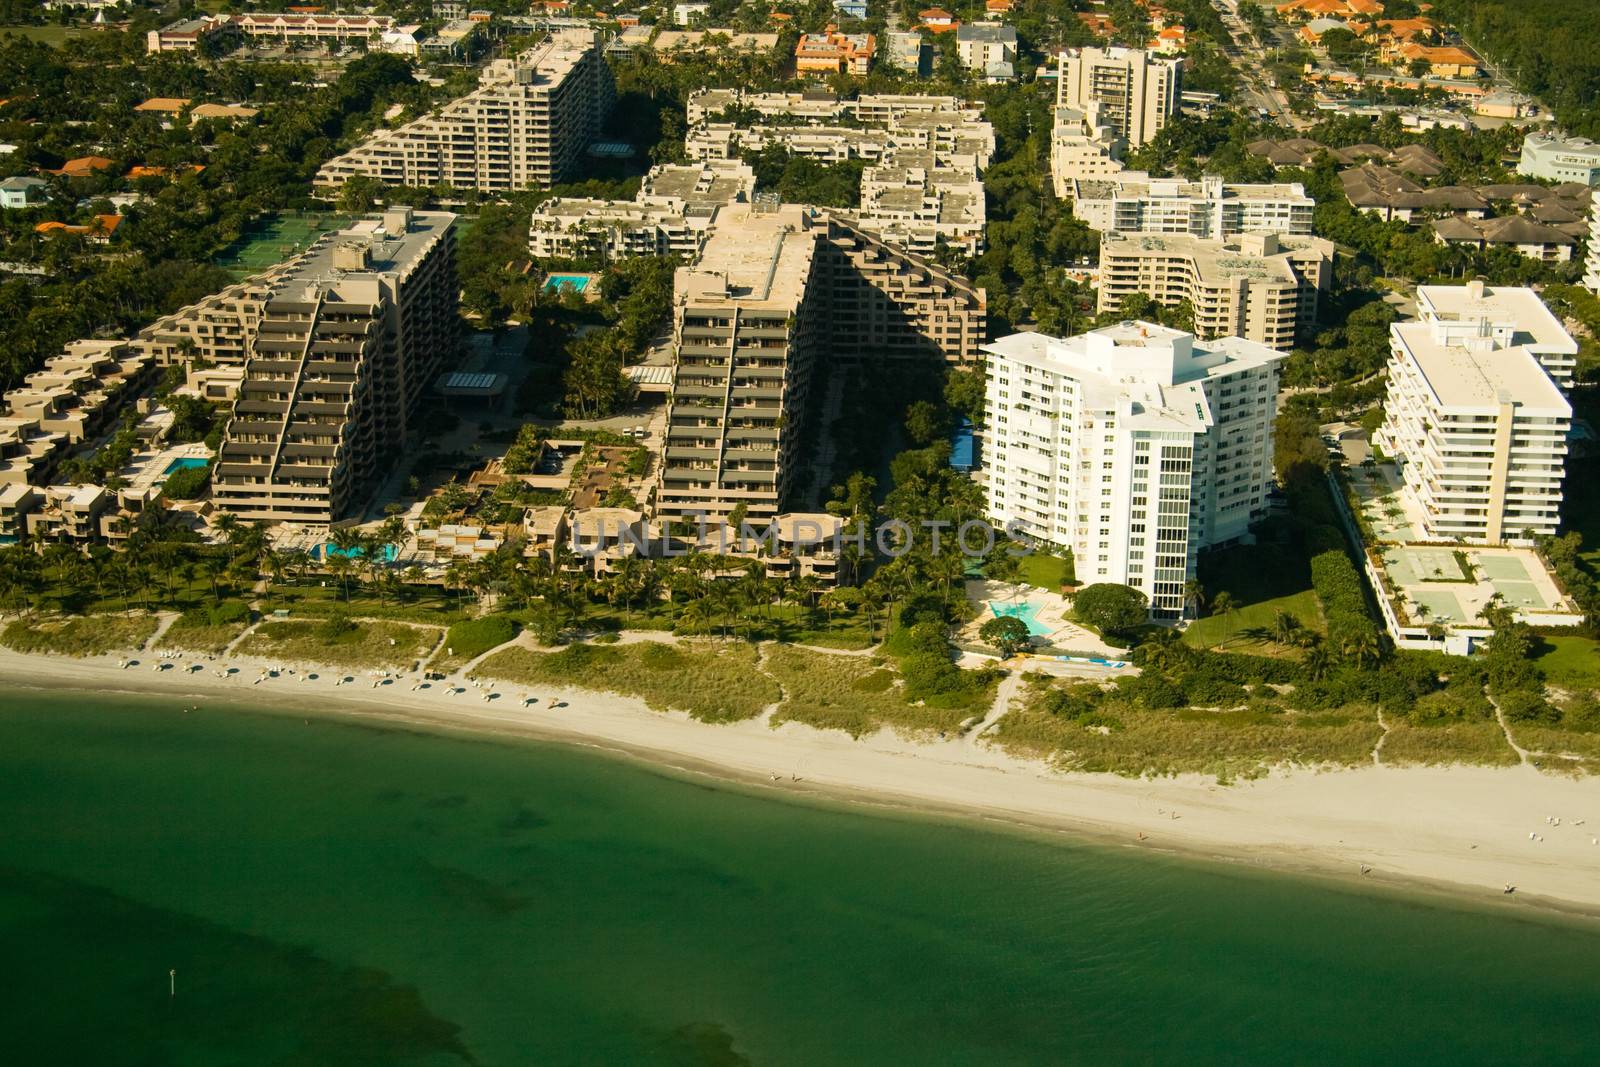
(819, 55)
(1134, 445)
(1262, 287)
(1516, 232)
(78, 393)
(988, 48)
(672, 214)
(23, 191)
(1560, 159)
(1480, 431)
(1134, 202)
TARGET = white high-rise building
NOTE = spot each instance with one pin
(1512, 316)
(1479, 428)
(1139, 91)
(1134, 445)
(1591, 273)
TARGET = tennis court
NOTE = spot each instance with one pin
(1442, 606)
(274, 238)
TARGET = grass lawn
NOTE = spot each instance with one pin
(89, 635)
(1249, 629)
(465, 641)
(714, 681)
(1045, 571)
(1228, 744)
(365, 645)
(424, 604)
(859, 695)
(54, 36)
(1569, 662)
(1458, 742)
(200, 636)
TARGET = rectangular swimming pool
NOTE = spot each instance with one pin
(185, 463)
(575, 282)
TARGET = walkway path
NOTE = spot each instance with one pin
(1008, 688)
(1505, 727)
(1377, 749)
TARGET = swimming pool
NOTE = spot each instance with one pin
(185, 463)
(1027, 611)
(329, 549)
(575, 282)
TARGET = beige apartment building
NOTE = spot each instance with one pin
(1134, 202)
(525, 126)
(773, 292)
(348, 341)
(1262, 287)
(1138, 91)
(673, 213)
(925, 204)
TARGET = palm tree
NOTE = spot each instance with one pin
(1222, 604)
(1284, 627)
(1194, 594)
(1318, 661)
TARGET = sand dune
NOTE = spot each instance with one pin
(1465, 829)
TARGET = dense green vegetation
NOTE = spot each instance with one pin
(1545, 46)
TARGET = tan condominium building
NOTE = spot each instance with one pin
(348, 341)
(1261, 287)
(1513, 316)
(673, 213)
(217, 329)
(1138, 91)
(525, 127)
(1134, 202)
(774, 293)
(1083, 146)
(1479, 431)
(924, 204)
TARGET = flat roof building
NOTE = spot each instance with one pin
(1560, 159)
(1262, 287)
(1083, 147)
(525, 127)
(1511, 316)
(1134, 445)
(1479, 429)
(673, 213)
(1134, 202)
(1138, 91)
(923, 205)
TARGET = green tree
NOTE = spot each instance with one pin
(1111, 608)
(1007, 633)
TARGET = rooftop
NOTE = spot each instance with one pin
(757, 258)
(1479, 377)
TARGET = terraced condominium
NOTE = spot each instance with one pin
(773, 294)
(1138, 91)
(348, 340)
(1134, 445)
(525, 126)
(1478, 426)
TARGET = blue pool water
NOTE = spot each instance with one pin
(962, 448)
(389, 552)
(576, 282)
(1027, 611)
(185, 463)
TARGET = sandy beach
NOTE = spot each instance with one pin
(1464, 830)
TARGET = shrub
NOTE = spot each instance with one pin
(473, 638)
(186, 484)
(1526, 705)
(1111, 608)
(336, 627)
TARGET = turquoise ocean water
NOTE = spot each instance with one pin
(335, 893)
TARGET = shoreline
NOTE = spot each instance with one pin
(1461, 831)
